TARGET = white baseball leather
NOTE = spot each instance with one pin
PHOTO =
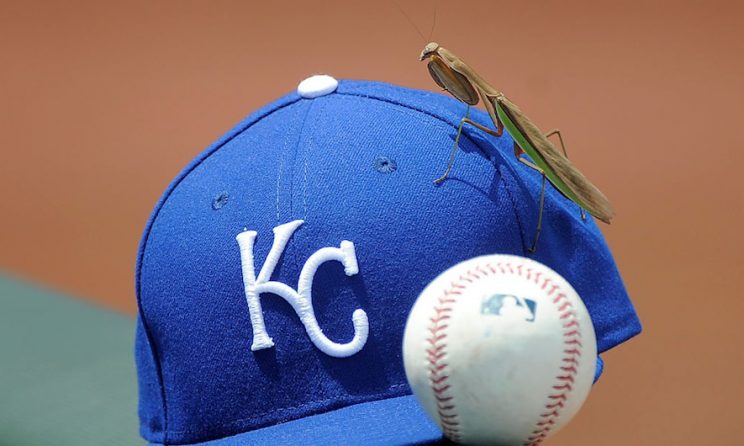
(500, 349)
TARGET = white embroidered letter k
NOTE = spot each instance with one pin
(300, 299)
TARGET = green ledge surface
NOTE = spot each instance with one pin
(67, 373)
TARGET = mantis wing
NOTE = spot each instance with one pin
(559, 170)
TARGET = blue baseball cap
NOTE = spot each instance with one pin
(276, 273)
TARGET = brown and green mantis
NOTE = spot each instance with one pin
(453, 75)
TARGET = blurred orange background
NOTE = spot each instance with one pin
(102, 105)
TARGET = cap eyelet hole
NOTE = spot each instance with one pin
(220, 200)
(384, 164)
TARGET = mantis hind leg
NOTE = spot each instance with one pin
(463, 121)
(563, 146)
(518, 151)
(560, 138)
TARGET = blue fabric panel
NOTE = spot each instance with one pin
(315, 160)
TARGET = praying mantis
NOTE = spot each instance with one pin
(462, 82)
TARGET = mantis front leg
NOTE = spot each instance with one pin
(463, 121)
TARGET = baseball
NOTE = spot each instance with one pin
(500, 349)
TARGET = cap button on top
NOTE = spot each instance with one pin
(317, 85)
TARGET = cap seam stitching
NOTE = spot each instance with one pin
(296, 154)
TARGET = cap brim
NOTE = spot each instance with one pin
(394, 421)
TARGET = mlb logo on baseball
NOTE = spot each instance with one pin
(509, 305)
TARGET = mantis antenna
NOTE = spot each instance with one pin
(418, 31)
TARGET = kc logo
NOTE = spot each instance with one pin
(300, 299)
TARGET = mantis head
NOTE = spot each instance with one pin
(429, 49)
(446, 76)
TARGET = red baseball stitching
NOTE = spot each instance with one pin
(565, 380)
(437, 350)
